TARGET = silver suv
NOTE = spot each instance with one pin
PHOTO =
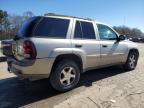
(62, 47)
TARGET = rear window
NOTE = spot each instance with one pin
(78, 30)
(28, 27)
(52, 28)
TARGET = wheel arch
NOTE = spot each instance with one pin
(134, 50)
(127, 65)
(76, 58)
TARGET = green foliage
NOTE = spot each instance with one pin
(10, 24)
(3, 16)
(4, 25)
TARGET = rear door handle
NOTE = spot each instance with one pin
(78, 45)
(104, 46)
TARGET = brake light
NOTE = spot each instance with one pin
(29, 50)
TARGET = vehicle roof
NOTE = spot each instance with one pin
(65, 16)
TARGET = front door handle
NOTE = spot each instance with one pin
(78, 45)
(104, 46)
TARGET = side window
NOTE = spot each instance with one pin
(78, 30)
(106, 33)
(52, 27)
(84, 30)
(88, 30)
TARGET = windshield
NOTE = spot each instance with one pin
(28, 26)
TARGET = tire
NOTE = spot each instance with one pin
(65, 75)
(131, 62)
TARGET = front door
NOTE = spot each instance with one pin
(112, 51)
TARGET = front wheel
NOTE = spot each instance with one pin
(131, 62)
(65, 75)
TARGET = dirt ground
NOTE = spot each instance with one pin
(103, 88)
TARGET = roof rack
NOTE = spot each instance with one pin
(53, 14)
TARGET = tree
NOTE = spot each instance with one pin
(3, 16)
(16, 21)
(10, 24)
(130, 32)
(27, 15)
(3, 19)
(4, 24)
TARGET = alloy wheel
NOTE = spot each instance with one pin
(67, 76)
(132, 61)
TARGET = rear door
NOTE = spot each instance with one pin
(85, 41)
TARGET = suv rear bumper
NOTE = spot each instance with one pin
(31, 68)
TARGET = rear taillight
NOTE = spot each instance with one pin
(29, 50)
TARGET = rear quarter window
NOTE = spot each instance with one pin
(52, 28)
(78, 31)
(84, 30)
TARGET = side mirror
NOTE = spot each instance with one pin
(121, 37)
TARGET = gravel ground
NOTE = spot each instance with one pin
(103, 88)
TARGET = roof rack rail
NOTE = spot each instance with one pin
(53, 14)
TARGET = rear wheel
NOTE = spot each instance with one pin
(65, 75)
(131, 61)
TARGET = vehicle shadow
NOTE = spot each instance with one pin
(95, 75)
(13, 94)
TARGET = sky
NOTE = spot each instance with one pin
(113, 12)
